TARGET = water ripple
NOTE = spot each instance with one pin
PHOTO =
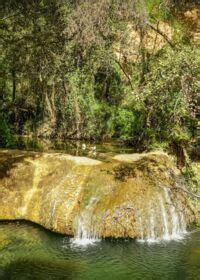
(30, 252)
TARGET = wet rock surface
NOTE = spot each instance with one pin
(129, 196)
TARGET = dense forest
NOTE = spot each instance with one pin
(100, 70)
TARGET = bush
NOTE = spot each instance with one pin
(6, 139)
(123, 124)
(169, 97)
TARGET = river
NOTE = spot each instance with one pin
(28, 251)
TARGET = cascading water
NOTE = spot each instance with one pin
(160, 220)
(85, 234)
(152, 233)
(166, 234)
(164, 222)
(178, 221)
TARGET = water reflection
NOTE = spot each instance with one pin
(77, 148)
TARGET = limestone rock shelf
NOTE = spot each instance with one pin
(128, 196)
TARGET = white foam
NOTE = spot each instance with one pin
(84, 242)
(84, 234)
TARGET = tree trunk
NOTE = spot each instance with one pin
(77, 118)
(14, 85)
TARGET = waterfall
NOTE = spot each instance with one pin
(85, 234)
(177, 218)
(166, 229)
(183, 224)
(164, 221)
(160, 219)
(152, 235)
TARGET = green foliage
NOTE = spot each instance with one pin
(6, 139)
(191, 175)
(124, 124)
(65, 73)
(169, 96)
(157, 9)
(108, 84)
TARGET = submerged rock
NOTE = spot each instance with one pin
(129, 196)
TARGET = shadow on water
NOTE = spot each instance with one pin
(41, 269)
(29, 252)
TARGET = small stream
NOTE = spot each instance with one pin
(28, 251)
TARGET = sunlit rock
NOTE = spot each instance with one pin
(128, 196)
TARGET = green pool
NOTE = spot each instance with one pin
(28, 251)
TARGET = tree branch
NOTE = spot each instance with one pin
(156, 29)
(127, 76)
(184, 190)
